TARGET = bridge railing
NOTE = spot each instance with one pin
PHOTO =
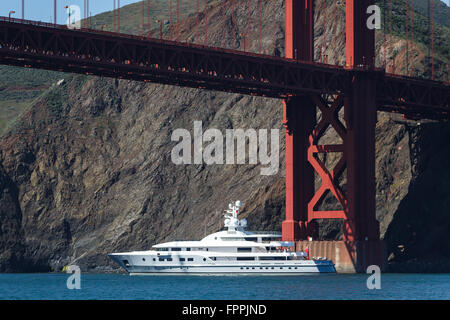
(165, 41)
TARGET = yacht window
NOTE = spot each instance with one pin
(188, 249)
(245, 258)
(244, 249)
(154, 259)
(272, 258)
(190, 259)
(162, 249)
(143, 259)
(176, 249)
(204, 259)
(232, 239)
(169, 259)
(251, 239)
(182, 259)
(161, 259)
(126, 263)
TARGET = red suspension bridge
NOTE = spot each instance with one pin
(304, 81)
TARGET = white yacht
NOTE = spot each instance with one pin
(232, 251)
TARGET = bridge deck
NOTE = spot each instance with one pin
(46, 46)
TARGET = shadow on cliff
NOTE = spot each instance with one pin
(418, 238)
(12, 249)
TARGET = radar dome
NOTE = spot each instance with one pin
(238, 203)
(244, 223)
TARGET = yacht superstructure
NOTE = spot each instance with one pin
(232, 251)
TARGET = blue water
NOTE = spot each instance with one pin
(324, 286)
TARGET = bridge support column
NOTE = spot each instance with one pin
(360, 117)
(360, 246)
(361, 225)
(299, 118)
(361, 229)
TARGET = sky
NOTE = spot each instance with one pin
(42, 10)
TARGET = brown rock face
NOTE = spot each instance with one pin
(11, 237)
(88, 171)
(99, 175)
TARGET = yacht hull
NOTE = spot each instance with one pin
(229, 252)
(211, 268)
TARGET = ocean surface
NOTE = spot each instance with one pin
(125, 287)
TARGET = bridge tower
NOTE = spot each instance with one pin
(360, 245)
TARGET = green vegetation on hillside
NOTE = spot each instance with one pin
(19, 87)
(131, 16)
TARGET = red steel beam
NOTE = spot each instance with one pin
(412, 35)
(391, 40)
(224, 17)
(407, 36)
(324, 35)
(168, 60)
(360, 41)
(299, 118)
(143, 17)
(55, 4)
(198, 20)
(233, 20)
(149, 34)
(260, 26)
(178, 19)
(432, 39)
(357, 150)
(137, 58)
(249, 23)
(360, 120)
(205, 42)
(170, 20)
(274, 26)
(299, 20)
(335, 22)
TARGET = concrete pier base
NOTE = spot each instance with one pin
(348, 257)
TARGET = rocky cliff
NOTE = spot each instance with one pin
(87, 168)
